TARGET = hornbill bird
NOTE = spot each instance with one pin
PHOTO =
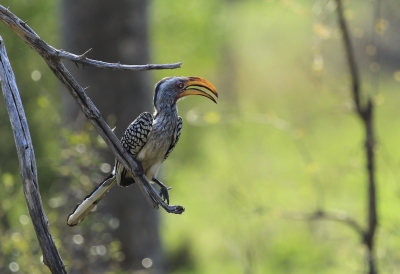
(149, 139)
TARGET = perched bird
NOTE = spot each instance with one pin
(150, 140)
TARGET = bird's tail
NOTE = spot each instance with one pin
(83, 208)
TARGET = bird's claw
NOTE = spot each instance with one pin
(164, 194)
(179, 209)
(163, 190)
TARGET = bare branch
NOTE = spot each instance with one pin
(47, 51)
(351, 58)
(82, 59)
(366, 115)
(341, 217)
(27, 163)
(53, 58)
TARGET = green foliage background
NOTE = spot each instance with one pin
(282, 142)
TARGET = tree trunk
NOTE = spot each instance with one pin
(116, 32)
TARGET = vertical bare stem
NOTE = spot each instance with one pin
(372, 212)
(350, 56)
(366, 115)
(26, 157)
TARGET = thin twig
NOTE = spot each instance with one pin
(47, 51)
(83, 56)
(27, 163)
(325, 215)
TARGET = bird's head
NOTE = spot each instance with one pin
(169, 90)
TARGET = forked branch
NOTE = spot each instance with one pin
(53, 58)
(365, 113)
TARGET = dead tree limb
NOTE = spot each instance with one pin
(27, 163)
(47, 52)
(53, 58)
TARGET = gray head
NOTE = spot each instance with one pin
(170, 89)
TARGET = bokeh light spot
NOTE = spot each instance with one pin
(381, 26)
(24, 220)
(105, 168)
(147, 262)
(114, 223)
(14, 267)
(101, 250)
(36, 75)
(78, 239)
(81, 148)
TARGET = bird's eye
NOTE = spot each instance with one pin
(180, 85)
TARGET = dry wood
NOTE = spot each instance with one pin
(53, 58)
(18, 120)
(27, 163)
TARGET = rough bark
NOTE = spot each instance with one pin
(53, 58)
(27, 163)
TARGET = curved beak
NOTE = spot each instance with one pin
(192, 88)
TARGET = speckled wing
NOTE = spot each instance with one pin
(133, 140)
(136, 134)
(175, 137)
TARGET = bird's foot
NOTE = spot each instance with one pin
(179, 209)
(163, 190)
(164, 194)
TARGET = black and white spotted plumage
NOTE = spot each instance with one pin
(133, 140)
(175, 138)
(136, 134)
(150, 140)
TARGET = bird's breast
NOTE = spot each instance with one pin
(159, 140)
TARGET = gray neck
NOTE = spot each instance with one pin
(166, 110)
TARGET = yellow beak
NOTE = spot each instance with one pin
(191, 88)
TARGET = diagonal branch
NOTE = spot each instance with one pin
(53, 58)
(93, 114)
(27, 163)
